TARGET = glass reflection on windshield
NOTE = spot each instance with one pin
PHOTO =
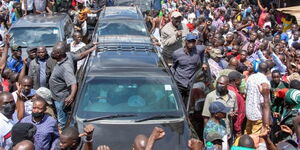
(122, 28)
(34, 36)
(127, 95)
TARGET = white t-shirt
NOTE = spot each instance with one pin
(254, 99)
(74, 48)
(29, 5)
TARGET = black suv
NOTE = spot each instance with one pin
(121, 25)
(42, 30)
(126, 91)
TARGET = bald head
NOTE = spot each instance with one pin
(59, 51)
(24, 145)
(246, 141)
(71, 132)
(60, 47)
(233, 63)
(140, 142)
(4, 96)
(263, 67)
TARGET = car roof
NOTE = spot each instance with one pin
(127, 59)
(41, 19)
(121, 12)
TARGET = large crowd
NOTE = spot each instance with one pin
(236, 64)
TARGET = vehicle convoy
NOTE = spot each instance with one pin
(126, 91)
(41, 30)
(121, 24)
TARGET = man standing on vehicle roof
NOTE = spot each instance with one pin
(186, 62)
(172, 35)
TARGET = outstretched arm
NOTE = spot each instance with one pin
(260, 6)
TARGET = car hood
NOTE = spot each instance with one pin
(124, 39)
(121, 136)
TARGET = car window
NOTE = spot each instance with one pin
(34, 36)
(121, 27)
(127, 95)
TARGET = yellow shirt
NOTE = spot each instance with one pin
(286, 24)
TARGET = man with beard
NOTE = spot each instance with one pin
(7, 108)
(47, 131)
(23, 98)
(223, 95)
(172, 35)
(62, 83)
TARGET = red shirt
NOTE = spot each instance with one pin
(190, 26)
(5, 85)
(241, 108)
(262, 19)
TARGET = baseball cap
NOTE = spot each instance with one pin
(234, 75)
(31, 49)
(216, 107)
(176, 14)
(191, 36)
(45, 94)
(16, 48)
(215, 52)
(212, 136)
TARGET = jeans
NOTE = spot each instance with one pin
(61, 115)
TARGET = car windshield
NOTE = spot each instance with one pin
(122, 28)
(34, 36)
(126, 95)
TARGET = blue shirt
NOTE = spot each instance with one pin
(14, 64)
(283, 36)
(46, 134)
(186, 65)
(42, 73)
(278, 64)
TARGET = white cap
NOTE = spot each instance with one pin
(176, 14)
(45, 94)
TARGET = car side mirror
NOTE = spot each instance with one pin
(69, 40)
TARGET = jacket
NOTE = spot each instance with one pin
(34, 71)
(169, 40)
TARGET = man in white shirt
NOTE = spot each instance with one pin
(294, 39)
(255, 107)
(23, 98)
(7, 108)
(27, 6)
(76, 45)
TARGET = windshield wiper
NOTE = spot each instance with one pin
(109, 117)
(157, 117)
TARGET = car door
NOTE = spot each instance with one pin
(200, 87)
(68, 30)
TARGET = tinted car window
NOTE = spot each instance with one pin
(122, 28)
(140, 95)
(35, 36)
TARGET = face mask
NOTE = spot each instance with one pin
(221, 88)
(9, 109)
(37, 115)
